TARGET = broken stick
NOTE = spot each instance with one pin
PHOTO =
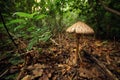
(101, 65)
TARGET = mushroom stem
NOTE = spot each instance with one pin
(77, 48)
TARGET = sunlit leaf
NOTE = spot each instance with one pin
(23, 14)
(35, 13)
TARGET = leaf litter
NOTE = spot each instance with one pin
(55, 62)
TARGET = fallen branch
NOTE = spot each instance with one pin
(101, 65)
(109, 9)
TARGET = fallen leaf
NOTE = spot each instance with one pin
(27, 77)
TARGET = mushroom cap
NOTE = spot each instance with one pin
(80, 28)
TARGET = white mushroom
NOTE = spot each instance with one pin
(79, 28)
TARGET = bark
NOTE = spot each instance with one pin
(109, 9)
(2, 19)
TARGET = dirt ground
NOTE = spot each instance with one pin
(55, 60)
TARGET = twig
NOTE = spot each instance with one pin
(109, 9)
(54, 41)
(4, 73)
(7, 30)
(112, 53)
(22, 72)
(102, 66)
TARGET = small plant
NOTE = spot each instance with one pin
(26, 27)
(16, 59)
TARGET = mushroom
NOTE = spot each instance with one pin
(79, 28)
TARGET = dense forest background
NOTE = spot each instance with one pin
(54, 16)
(33, 21)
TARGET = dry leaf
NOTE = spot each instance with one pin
(27, 77)
(44, 77)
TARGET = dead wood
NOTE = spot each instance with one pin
(103, 68)
(109, 9)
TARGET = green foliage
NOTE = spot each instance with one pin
(11, 77)
(19, 27)
(26, 27)
(15, 21)
(39, 35)
(24, 15)
(57, 14)
(39, 16)
(16, 59)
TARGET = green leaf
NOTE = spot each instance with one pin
(32, 43)
(1, 25)
(11, 76)
(46, 36)
(35, 13)
(19, 27)
(15, 60)
(22, 14)
(40, 16)
(31, 28)
(16, 21)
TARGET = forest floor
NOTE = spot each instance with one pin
(54, 60)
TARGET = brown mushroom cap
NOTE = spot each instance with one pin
(80, 28)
